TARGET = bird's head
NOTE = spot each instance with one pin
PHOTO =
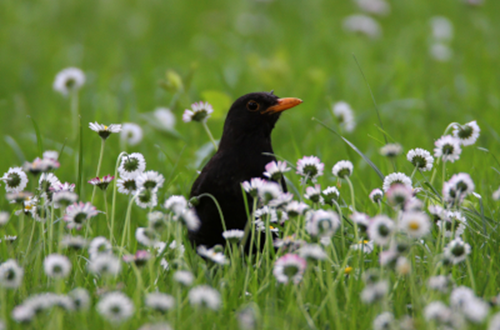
(256, 113)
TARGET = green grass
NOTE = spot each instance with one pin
(222, 50)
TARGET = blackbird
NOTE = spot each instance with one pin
(244, 150)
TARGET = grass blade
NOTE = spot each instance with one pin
(38, 136)
(80, 161)
(15, 147)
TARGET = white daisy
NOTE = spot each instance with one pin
(448, 148)
(330, 195)
(420, 158)
(442, 28)
(47, 181)
(380, 229)
(365, 246)
(41, 165)
(212, 255)
(458, 187)
(4, 218)
(115, 307)
(99, 245)
(81, 299)
(105, 131)
(132, 165)
(438, 311)
(440, 51)
(57, 266)
(151, 180)
(176, 204)
(233, 235)
(252, 186)
(362, 24)
(160, 302)
(391, 150)
(451, 228)
(383, 321)
(322, 223)
(467, 134)
(190, 219)
(15, 180)
(343, 111)
(342, 169)
(437, 212)
(313, 193)
(399, 195)
(78, 213)
(275, 170)
(146, 199)
(374, 292)
(269, 191)
(156, 220)
(50, 154)
(205, 296)
(496, 194)
(295, 209)
(23, 313)
(11, 274)
(457, 250)
(146, 236)
(362, 220)
(289, 268)
(165, 118)
(394, 178)
(131, 134)
(127, 186)
(376, 195)
(376, 7)
(310, 168)
(104, 265)
(64, 198)
(184, 277)
(281, 201)
(74, 242)
(199, 112)
(312, 252)
(475, 310)
(439, 283)
(69, 80)
(460, 295)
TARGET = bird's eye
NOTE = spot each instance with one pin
(253, 106)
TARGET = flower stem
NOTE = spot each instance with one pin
(113, 203)
(101, 154)
(127, 222)
(74, 112)
(353, 201)
(31, 237)
(205, 126)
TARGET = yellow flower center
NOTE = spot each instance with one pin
(271, 227)
(414, 225)
(105, 127)
(348, 270)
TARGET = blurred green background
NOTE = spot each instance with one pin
(297, 48)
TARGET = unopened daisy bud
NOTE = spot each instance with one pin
(395, 178)
(233, 235)
(467, 134)
(448, 148)
(275, 170)
(421, 159)
(115, 307)
(105, 131)
(15, 180)
(380, 229)
(205, 296)
(57, 266)
(376, 195)
(343, 169)
(199, 112)
(11, 274)
(313, 193)
(310, 167)
(252, 186)
(289, 268)
(103, 182)
(132, 165)
(391, 150)
(131, 134)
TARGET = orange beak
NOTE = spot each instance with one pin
(283, 104)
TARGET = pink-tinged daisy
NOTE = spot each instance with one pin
(105, 131)
(415, 224)
(78, 213)
(467, 134)
(275, 170)
(295, 209)
(140, 258)
(345, 116)
(63, 187)
(420, 158)
(322, 223)
(132, 165)
(15, 180)
(199, 112)
(69, 80)
(310, 168)
(205, 296)
(41, 165)
(252, 186)
(457, 250)
(399, 194)
(448, 148)
(47, 182)
(289, 268)
(380, 229)
(313, 193)
(376, 195)
(151, 180)
(395, 178)
(343, 169)
(103, 182)
(282, 200)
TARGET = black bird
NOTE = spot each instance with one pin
(240, 157)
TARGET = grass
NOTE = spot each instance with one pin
(135, 55)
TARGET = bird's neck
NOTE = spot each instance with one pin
(246, 137)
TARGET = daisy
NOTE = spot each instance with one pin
(103, 182)
(212, 255)
(312, 252)
(414, 205)
(56, 266)
(184, 277)
(105, 131)
(127, 186)
(420, 158)
(403, 266)
(374, 292)
(156, 220)
(313, 193)
(322, 223)
(281, 201)
(289, 243)
(252, 186)
(151, 180)
(383, 321)
(275, 170)
(190, 219)
(156, 326)
(448, 148)
(99, 245)
(165, 118)
(69, 80)
(140, 258)
(176, 204)
(476, 310)
(376, 7)
(442, 28)
(11, 274)
(78, 213)
(132, 165)
(391, 150)
(199, 112)
(450, 227)
(23, 314)
(458, 187)
(365, 246)
(310, 167)
(146, 199)
(205, 296)
(269, 191)
(63, 187)
(394, 178)
(50, 154)
(104, 265)
(343, 169)
(345, 116)
(467, 134)
(457, 251)
(115, 307)
(362, 24)
(380, 229)
(64, 198)
(146, 236)
(131, 134)
(361, 219)
(289, 268)
(438, 311)
(330, 195)
(376, 195)
(81, 299)
(47, 182)
(496, 194)
(261, 227)
(295, 209)
(4, 218)
(399, 195)
(436, 211)
(15, 180)
(439, 283)
(41, 165)
(460, 295)
(233, 235)
(160, 302)
(74, 242)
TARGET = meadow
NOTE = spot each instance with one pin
(424, 255)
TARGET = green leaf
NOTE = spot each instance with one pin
(220, 102)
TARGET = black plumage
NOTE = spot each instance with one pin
(242, 155)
